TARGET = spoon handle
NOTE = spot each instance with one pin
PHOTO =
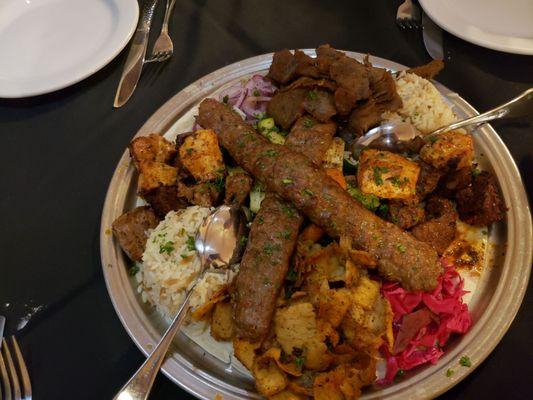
(518, 107)
(140, 384)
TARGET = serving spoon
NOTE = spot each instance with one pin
(394, 136)
(218, 242)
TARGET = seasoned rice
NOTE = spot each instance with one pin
(423, 105)
(171, 263)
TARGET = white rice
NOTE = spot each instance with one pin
(423, 105)
(170, 264)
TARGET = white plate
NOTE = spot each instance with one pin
(46, 45)
(505, 25)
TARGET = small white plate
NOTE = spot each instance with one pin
(46, 45)
(505, 25)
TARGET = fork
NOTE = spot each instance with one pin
(163, 47)
(14, 377)
(408, 15)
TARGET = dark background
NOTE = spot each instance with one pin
(58, 152)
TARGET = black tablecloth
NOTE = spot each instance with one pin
(58, 152)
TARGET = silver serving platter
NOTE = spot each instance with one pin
(494, 302)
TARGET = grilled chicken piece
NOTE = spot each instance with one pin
(130, 230)
(151, 148)
(200, 155)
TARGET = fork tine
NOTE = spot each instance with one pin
(11, 371)
(24, 376)
(4, 379)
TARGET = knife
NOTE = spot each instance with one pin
(432, 36)
(2, 325)
(135, 61)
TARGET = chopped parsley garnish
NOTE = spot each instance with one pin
(260, 220)
(396, 181)
(225, 99)
(401, 248)
(450, 372)
(475, 172)
(299, 361)
(271, 153)
(133, 270)
(167, 247)
(286, 234)
(243, 240)
(256, 93)
(312, 95)
(383, 209)
(465, 361)
(377, 174)
(268, 249)
(288, 211)
(217, 183)
(400, 373)
(184, 256)
(189, 150)
(308, 192)
(266, 281)
(369, 201)
(308, 123)
(286, 181)
(433, 139)
(190, 243)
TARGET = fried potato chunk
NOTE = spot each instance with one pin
(453, 150)
(200, 154)
(297, 330)
(222, 322)
(245, 351)
(387, 175)
(153, 147)
(269, 378)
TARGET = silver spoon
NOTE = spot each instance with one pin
(394, 136)
(218, 242)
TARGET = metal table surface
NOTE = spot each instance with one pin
(58, 152)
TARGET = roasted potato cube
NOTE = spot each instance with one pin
(151, 148)
(155, 174)
(245, 351)
(269, 378)
(222, 322)
(453, 150)
(200, 155)
(387, 175)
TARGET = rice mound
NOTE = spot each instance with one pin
(170, 264)
(423, 105)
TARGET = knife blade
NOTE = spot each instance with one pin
(137, 52)
(2, 325)
(432, 36)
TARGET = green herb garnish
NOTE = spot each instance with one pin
(167, 247)
(369, 201)
(190, 243)
(401, 248)
(225, 99)
(133, 270)
(400, 373)
(308, 123)
(450, 372)
(465, 361)
(312, 95)
(286, 181)
(256, 93)
(299, 361)
(377, 174)
(308, 192)
(289, 211)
